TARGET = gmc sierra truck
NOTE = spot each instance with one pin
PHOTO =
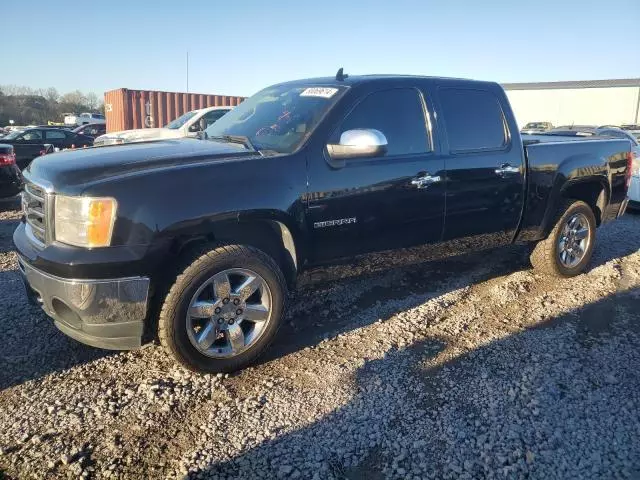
(197, 241)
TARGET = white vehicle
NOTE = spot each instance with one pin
(187, 125)
(84, 119)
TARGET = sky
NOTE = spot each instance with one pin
(237, 47)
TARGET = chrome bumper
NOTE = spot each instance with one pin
(102, 313)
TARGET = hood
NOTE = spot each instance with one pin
(141, 134)
(70, 169)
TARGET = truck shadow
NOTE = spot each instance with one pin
(515, 406)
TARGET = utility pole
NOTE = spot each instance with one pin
(187, 71)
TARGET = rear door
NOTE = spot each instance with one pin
(378, 203)
(58, 138)
(485, 167)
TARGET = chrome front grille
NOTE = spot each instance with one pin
(34, 206)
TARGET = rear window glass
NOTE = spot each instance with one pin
(473, 119)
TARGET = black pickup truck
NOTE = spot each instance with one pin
(198, 241)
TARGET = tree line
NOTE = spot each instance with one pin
(28, 106)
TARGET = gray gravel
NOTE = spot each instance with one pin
(390, 367)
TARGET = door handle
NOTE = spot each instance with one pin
(424, 180)
(506, 170)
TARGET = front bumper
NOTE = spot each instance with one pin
(106, 313)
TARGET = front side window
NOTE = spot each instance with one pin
(212, 117)
(398, 114)
(279, 118)
(32, 135)
(473, 119)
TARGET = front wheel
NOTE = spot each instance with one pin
(224, 309)
(567, 250)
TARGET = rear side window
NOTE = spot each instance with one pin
(55, 135)
(398, 114)
(473, 119)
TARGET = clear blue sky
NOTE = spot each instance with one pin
(237, 47)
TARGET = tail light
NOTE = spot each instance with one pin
(629, 168)
(7, 159)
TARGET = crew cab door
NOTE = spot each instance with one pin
(384, 201)
(485, 167)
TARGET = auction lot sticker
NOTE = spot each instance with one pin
(324, 92)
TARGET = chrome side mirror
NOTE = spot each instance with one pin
(359, 143)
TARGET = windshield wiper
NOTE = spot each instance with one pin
(241, 139)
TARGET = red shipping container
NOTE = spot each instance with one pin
(128, 109)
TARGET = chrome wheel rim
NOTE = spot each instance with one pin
(574, 240)
(229, 313)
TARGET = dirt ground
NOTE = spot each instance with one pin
(390, 367)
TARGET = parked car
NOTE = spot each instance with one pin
(29, 143)
(212, 233)
(632, 129)
(187, 125)
(10, 177)
(536, 127)
(92, 130)
(84, 118)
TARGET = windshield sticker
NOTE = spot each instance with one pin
(323, 92)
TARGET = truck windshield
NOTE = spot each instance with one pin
(180, 121)
(278, 118)
(12, 135)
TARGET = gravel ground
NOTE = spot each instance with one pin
(391, 367)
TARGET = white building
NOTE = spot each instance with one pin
(590, 102)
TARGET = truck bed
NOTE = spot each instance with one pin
(545, 138)
(554, 160)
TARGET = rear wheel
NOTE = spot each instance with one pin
(224, 309)
(568, 249)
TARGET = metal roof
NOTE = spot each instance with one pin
(621, 82)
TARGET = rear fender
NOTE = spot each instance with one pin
(573, 179)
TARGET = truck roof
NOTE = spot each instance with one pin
(352, 80)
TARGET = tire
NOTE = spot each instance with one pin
(175, 330)
(546, 255)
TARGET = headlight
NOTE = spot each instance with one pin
(84, 221)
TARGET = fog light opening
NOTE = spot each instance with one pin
(64, 313)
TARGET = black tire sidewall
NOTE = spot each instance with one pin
(215, 264)
(579, 207)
